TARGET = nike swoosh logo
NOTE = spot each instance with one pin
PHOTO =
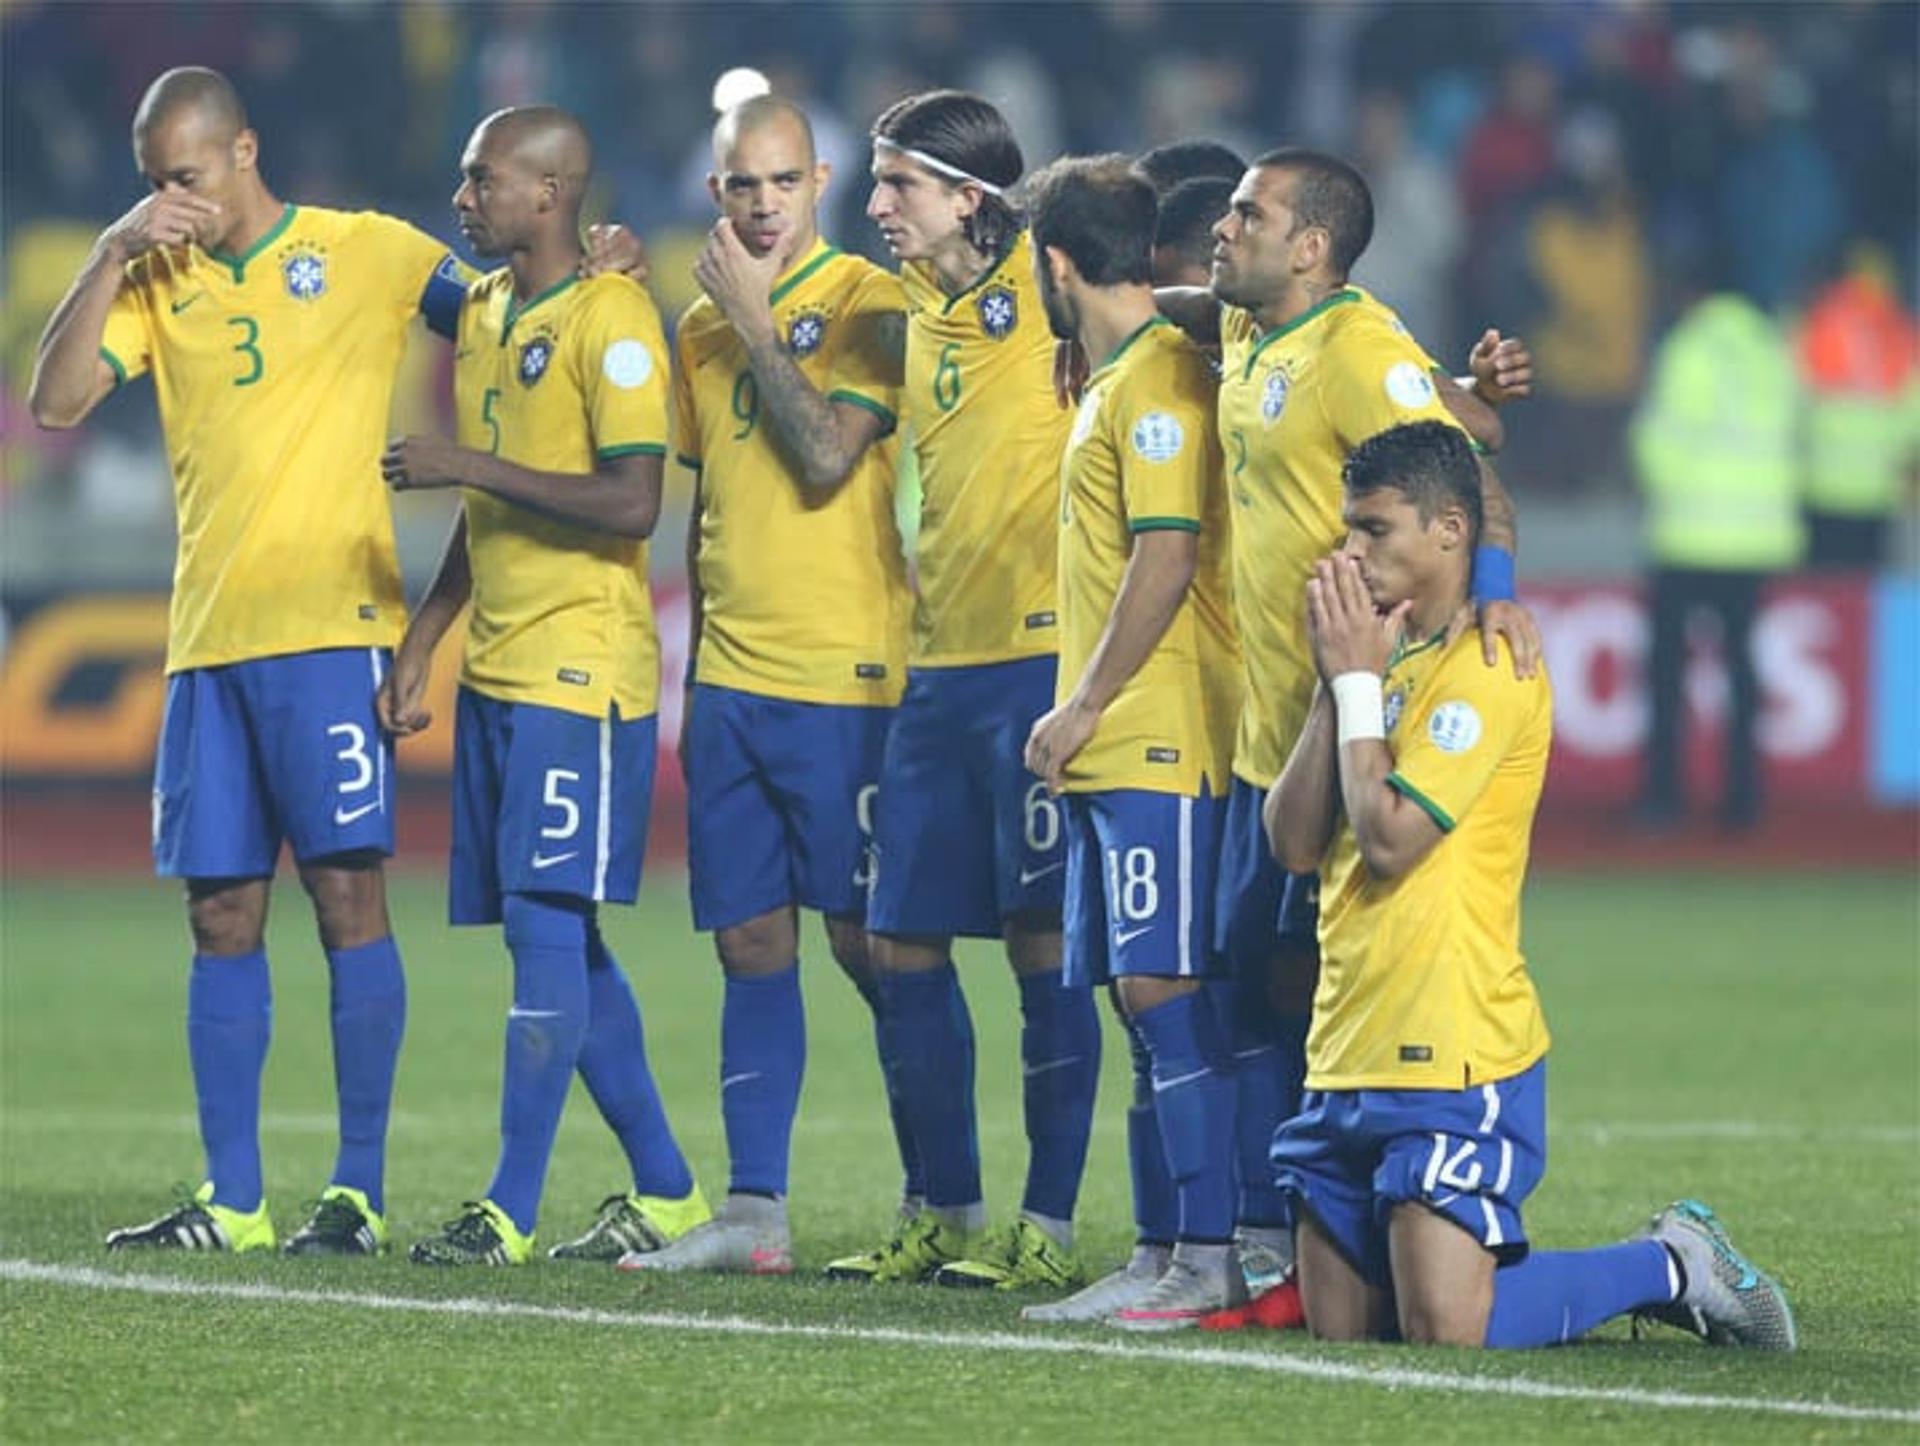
(1029, 1071)
(1439, 1201)
(1167, 1084)
(547, 861)
(344, 816)
(179, 306)
(733, 1079)
(1127, 936)
(1028, 876)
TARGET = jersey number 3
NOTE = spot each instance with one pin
(254, 365)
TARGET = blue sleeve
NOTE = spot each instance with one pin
(445, 292)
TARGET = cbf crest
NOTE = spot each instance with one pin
(305, 272)
(999, 313)
(536, 353)
(805, 333)
(1396, 702)
(1273, 398)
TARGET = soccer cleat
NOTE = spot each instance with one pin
(919, 1248)
(481, 1234)
(635, 1224)
(1277, 1308)
(196, 1223)
(1727, 1300)
(1181, 1297)
(727, 1246)
(1103, 1299)
(343, 1222)
(1024, 1257)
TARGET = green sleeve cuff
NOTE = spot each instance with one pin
(691, 463)
(119, 367)
(867, 404)
(631, 449)
(1163, 524)
(1433, 810)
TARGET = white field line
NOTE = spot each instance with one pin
(1304, 1366)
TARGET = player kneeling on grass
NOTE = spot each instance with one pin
(1412, 789)
(561, 394)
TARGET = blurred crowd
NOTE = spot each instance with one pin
(1577, 171)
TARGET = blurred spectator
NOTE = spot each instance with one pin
(1417, 230)
(1715, 445)
(1510, 151)
(1860, 359)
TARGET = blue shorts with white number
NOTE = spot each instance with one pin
(1139, 884)
(546, 802)
(779, 804)
(964, 836)
(270, 750)
(1260, 906)
(1472, 1155)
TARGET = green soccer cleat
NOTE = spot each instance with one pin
(1728, 1301)
(1022, 1258)
(199, 1224)
(482, 1234)
(635, 1225)
(920, 1247)
(343, 1222)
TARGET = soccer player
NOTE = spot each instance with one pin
(787, 390)
(1412, 788)
(1140, 740)
(1183, 235)
(1311, 367)
(967, 841)
(1167, 166)
(561, 394)
(273, 333)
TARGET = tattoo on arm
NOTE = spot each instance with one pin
(1498, 525)
(804, 420)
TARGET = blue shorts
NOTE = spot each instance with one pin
(1260, 906)
(964, 836)
(270, 750)
(1139, 884)
(546, 802)
(779, 804)
(1472, 1155)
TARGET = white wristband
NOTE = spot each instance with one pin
(1358, 708)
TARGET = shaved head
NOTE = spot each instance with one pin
(544, 140)
(192, 89)
(757, 114)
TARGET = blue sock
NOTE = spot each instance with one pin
(1193, 1097)
(1060, 1068)
(929, 1036)
(369, 1017)
(913, 1184)
(763, 1054)
(1556, 1296)
(1156, 1208)
(545, 1027)
(229, 1021)
(1269, 1059)
(613, 1062)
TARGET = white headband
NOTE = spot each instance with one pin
(935, 164)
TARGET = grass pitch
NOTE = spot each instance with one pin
(1752, 1041)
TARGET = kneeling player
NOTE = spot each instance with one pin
(1412, 789)
(1141, 736)
(561, 392)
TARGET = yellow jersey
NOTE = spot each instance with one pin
(574, 376)
(988, 434)
(1422, 982)
(1144, 455)
(802, 596)
(1294, 402)
(274, 373)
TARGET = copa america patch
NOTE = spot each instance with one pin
(1273, 399)
(1409, 385)
(534, 357)
(1454, 727)
(999, 313)
(805, 333)
(1158, 436)
(627, 363)
(305, 273)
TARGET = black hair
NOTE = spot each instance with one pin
(1187, 216)
(1431, 463)
(966, 132)
(1098, 210)
(1167, 166)
(1330, 193)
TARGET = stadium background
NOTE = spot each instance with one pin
(1547, 169)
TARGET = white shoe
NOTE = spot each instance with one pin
(1181, 1296)
(1728, 1301)
(1110, 1293)
(728, 1246)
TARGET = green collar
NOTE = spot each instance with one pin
(818, 255)
(1287, 328)
(1139, 331)
(983, 278)
(238, 264)
(515, 312)
(1408, 650)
